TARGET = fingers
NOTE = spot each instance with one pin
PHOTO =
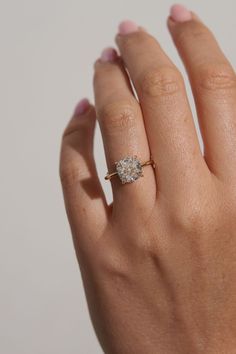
(122, 128)
(168, 120)
(213, 83)
(84, 198)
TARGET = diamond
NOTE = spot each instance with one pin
(129, 169)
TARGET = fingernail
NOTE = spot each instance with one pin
(82, 107)
(127, 27)
(108, 54)
(180, 13)
(143, 29)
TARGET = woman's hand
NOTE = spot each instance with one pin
(159, 264)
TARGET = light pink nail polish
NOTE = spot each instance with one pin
(127, 27)
(180, 13)
(108, 54)
(81, 107)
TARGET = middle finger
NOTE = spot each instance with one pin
(168, 119)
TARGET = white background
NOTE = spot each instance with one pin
(47, 50)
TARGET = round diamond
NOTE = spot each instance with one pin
(129, 169)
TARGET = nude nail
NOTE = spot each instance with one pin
(108, 54)
(127, 27)
(180, 13)
(81, 107)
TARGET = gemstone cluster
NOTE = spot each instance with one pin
(129, 169)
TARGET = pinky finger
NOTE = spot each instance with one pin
(84, 198)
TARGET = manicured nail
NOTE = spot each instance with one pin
(142, 29)
(180, 13)
(81, 107)
(127, 27)
(108, 54)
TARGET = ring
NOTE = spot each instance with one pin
(129, 169)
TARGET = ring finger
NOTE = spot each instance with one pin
(122, 127)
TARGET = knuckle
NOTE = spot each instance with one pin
(100, 71)
(69, 174)
(192, 31)
(198, 31)
(191, 218)
(143, 243)
(148, 245)
(160, 82)
(70, 131)
(119, 115)
(217, 77)
(111, 264)
(137, 39)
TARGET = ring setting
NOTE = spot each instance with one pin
(129, 169)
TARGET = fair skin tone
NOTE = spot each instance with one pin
(158, 264)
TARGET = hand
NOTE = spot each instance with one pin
(159, 264)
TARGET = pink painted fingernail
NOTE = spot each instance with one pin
(81, 107)
(108, 54)
(127, 27)
(180, 13)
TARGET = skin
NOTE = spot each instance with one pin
(158, 264)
